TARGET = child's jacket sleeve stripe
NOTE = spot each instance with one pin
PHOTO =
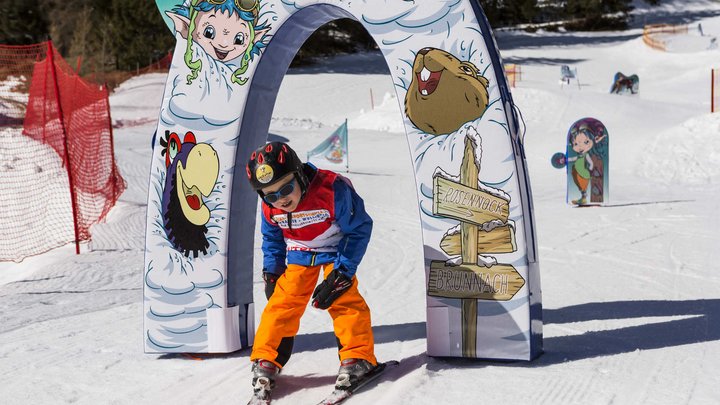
(355, 224)
(273, 247)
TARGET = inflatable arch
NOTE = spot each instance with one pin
(481, 267)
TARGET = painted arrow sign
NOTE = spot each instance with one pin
(467, 204)
(498, 240)
(499, 282)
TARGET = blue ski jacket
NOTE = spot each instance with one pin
(329, 225)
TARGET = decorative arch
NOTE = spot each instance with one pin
(481, 268)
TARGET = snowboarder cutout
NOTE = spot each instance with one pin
(625, 84)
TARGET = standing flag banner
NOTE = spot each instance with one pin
(333, 150)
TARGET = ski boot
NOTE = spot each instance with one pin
(351, 371)
(582, 200)
(353, 375)
(263, 381)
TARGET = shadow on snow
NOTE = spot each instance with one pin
(702, 326)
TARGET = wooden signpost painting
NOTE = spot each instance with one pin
(484, 228)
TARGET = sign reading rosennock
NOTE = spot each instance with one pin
(467, 204)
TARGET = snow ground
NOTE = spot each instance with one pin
(631, 290)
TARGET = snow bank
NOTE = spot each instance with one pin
(686, 154)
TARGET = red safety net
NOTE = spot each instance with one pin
(162, 65)
(58, 159)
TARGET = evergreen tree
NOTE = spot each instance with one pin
(509, 12)
(582, 14)
(340, 36)
(24, 22)
(78, 31)
(598, 14)
(139, 34)
(126, 34)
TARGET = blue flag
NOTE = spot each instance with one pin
(334, 149)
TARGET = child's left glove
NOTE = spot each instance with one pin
(330, 289)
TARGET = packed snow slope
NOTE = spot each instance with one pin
(631, 291)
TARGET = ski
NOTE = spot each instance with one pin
(340, 395)
(261, 394)
(255, 400)
(587, 206)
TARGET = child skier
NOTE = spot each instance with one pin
(312, 221)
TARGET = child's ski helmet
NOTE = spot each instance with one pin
(271, 162)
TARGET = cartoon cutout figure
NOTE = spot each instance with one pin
(227, 30)
(445, 92)
(588, 159)
(192, 171)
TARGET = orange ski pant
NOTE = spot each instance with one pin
(580, 182)
(280, 320)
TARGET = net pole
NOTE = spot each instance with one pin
(44, 95)
(112, 146)
(73, 198)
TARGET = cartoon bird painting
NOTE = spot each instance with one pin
(192, 171)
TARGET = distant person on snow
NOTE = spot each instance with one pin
(312, 221)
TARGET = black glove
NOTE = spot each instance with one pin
(270, 280)
(330, 289)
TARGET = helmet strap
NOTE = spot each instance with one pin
(302, 182)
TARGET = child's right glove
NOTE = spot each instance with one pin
(270, 281)
(330, 289)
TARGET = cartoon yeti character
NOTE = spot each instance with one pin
(445, 92)
(229, 31)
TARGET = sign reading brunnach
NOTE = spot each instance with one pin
(484, 229)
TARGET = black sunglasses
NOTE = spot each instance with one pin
(284, 191)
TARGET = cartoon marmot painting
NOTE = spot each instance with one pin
(445, 92)
(192, 170)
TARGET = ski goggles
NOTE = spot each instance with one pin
(243, 5)
(284, 191)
